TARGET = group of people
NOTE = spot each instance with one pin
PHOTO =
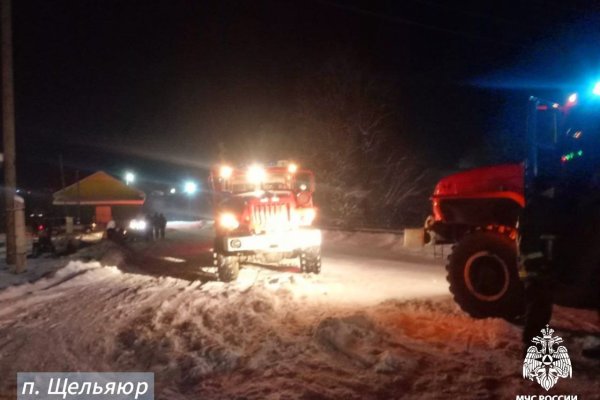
(158, 224)
(146, 226)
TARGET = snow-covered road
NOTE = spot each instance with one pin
(376, 324)
(358, 268)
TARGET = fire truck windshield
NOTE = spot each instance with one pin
(272, 181)
(583, 122)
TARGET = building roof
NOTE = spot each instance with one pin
(99, 189)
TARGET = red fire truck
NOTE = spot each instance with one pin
(264, 214)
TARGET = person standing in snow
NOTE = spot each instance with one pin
(155, 226)
(110, 229)
(162, 225)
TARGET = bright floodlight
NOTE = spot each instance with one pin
(129, 177)
(573, 98)
(225, 172)
(173, 191)
(190, 187)
(596, 90)
(256, 174)
(292, 168)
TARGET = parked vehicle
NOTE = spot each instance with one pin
(482, 212)
(139, 228)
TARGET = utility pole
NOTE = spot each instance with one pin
(62, 180)
(78, 198)
(62, 171)
(8, 131)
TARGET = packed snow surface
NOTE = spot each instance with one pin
(377, 324)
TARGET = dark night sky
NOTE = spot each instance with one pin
(148, 84)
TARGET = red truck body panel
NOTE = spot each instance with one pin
(464, 190)
(498, 178)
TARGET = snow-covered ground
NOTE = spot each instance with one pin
(47, 263)
(377, 324)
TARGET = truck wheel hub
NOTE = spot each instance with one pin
(486, 276)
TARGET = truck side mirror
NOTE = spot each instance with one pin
(304, 182)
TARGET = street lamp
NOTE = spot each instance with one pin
(190, 187)
(129, 177)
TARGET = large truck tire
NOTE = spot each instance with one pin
(228, 268)
(483, 276)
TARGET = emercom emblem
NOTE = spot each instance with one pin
(545, 364)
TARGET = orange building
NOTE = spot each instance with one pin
(101, 197)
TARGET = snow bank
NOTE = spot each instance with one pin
(107, 252)
(259, 338)
(36, 268)
(366, 328)
(72, 269)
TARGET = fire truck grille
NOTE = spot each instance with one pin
(271, 217)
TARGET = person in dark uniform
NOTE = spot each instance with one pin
(162, 225)
(155, 226)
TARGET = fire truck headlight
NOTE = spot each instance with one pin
(292, 168)
(228, 221)
(225, 172)
(256, 174)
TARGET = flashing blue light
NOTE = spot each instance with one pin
(596, 90)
